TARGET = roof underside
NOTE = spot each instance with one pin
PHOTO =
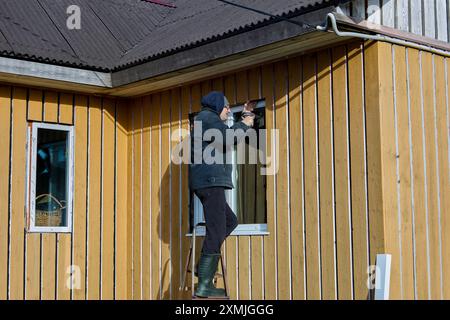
(116, 34)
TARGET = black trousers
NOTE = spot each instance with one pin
(219, 218)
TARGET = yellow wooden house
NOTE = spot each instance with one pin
(93, 97)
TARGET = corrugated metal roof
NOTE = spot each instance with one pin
(118, 33)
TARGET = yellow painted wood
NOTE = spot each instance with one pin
(65, 108)
(311, 179)
(389, 166)
(49, 243)
(155, 200)
(185, 105)
(431, 175)
(407, 270)
(107, 248)
(358, 174)
(130, 200)
(80, 194)
(256, 251)
(5, 127)
(326, 174)
(282, 205)
(443, 176)
(375, 201)
(35, 105)
(270, 288)
(177, 232)
(146, 217)
(64, 241)
(123, 243)
(418, 175)
(94, 200)
(166, 198)
(137, 199)
(33, 240)
(342, 178)
(296, 179)
(242, 95)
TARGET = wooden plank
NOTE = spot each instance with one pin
(137, 198)
(176, 230)
(358, 170)
(342, 174)
(256, 253)
(35, 105)
(388, 13)
(185, 106)
(123, 245)
(429, 18)
(359, 9)
(418, 181)
(146, 203)
(296, 178)
(48, 251)
(94, 199)
(313, 267)
(80, 194)
(64, 241)
(231, 247)
(33, 240)
(416, 16)
(443, 156)
(374, 11)
(65, 108)
(5, 127)
(403, 15)
(130, 199)
(389, 167)
(242, 95)
(441, 20)
(108, 198)
(282, 187)
(166, 198)
(155, 200)
(326, 174)
(404, 173)
(432, 179)
(375, 199)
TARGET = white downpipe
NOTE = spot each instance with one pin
(377, 37)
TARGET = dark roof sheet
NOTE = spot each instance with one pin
(118, 33)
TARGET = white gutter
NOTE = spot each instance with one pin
(377, 37)
(22, 68)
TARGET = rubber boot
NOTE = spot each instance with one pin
(207, 267)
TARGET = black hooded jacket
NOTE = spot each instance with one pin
(207, 174)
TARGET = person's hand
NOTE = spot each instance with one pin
(249, 120)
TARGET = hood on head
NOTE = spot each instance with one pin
(215, 100)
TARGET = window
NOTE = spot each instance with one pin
(248, 198)
(50, 177)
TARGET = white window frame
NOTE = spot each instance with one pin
(31, 176)
(257, 229)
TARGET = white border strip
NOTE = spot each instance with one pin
(57, 73)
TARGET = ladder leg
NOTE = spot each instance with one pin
(224, 274)
(186, 268)
(193, 261)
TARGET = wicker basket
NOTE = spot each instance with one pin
(49, 218)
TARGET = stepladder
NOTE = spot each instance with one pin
(190, 268)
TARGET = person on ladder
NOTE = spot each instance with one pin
(209, 180)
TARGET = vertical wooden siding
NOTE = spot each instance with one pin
(36, 266)
(414, 124)
(428, 18)
(318, 203)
